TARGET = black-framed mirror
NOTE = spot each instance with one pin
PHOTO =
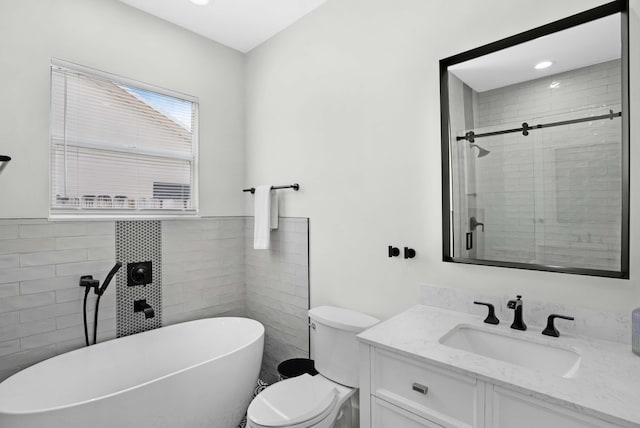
(535, 148)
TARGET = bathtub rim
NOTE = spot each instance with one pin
(132, 388)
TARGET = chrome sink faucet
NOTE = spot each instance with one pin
(518, 322)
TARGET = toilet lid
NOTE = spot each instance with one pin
(292, 401)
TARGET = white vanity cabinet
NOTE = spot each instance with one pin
(397, 391)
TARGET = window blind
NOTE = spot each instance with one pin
(115, 142)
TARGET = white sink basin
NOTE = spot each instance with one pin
(519, 351)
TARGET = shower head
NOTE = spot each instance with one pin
(481, 152)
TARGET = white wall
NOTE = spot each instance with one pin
(110, 36)
(346, 102)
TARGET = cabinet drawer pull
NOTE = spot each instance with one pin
(420, 388)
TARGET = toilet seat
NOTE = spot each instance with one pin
(301, 401)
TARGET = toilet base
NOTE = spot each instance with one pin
(349, 413)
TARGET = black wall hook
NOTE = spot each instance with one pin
(394, 251)
(409, 253)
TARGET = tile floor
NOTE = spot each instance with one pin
(260, 385)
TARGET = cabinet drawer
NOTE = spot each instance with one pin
(449, 399)
(385, 415)
(512, 409)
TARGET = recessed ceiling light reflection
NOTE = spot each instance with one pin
(539, 66)
(200, 2)
(554, 85)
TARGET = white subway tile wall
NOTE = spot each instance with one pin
(277, 284)
(209, 269)
(203, 268)
(552, 197)
(40, 300)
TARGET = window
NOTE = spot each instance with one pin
(119, 147)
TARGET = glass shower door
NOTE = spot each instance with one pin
(552, 196)
(495, 203)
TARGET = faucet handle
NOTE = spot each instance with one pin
(491, 316)
(511, 304)
(550, 329)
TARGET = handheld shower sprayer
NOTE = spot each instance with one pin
(108, 279)
(88, 283)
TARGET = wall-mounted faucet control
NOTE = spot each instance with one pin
(143, 306)
(551, 330)
(491, 317)
(139, 273)
(518, 322)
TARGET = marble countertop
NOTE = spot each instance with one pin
(606, 386)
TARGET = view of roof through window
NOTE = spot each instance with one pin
(180, 111)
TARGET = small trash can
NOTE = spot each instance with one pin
(296, 367)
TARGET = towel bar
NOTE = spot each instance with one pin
(294, 186)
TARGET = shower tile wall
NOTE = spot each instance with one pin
(578, 166)
(277, 283)
(40, 301)
(203, 268)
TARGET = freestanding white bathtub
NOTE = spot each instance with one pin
(190, 375)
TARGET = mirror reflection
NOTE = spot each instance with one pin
(536, 153)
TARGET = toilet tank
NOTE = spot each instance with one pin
(334, 346)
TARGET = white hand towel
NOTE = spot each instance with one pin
(274, 210)
(262, 218)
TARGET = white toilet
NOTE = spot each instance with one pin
(324, 400)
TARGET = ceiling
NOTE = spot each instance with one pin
(239, 24)
(592, 43)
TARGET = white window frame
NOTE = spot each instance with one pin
(60, 214)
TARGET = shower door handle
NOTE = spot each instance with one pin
(469, 240)
(474, 224)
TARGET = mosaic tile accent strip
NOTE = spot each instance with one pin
(138, 241)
